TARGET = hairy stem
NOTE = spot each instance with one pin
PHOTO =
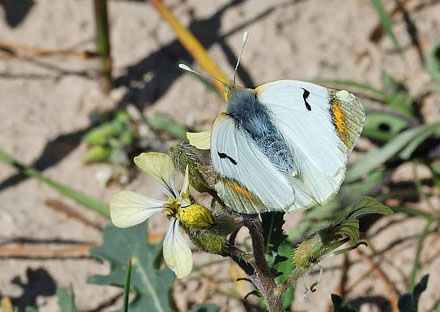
(263, 278)
(290, 281)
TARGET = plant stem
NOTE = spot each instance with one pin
(291, 280)
(103, 40)
(263, 278)
(413, 281)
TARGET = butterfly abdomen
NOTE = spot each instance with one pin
(256, 120)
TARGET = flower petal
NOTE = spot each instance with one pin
(130, 208)
(161, 168)
(201, 140)
(176, 251)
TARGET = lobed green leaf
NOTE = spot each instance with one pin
(66, 300)
(151, 285)
(367, 205)
(340, 305)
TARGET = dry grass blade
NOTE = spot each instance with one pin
(19, 51)
(45, 251)
(59, 206)
(6, 305)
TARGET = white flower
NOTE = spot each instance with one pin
(130, 208)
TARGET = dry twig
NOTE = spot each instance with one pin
(385, 280)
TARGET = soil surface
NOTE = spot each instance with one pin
(46, 105)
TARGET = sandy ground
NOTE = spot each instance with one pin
(46, 105)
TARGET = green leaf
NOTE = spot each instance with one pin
(382, 126)
(351, 191)
(435, 173)
(169, 126)
(367, 205)
(30, 309)
(66, 300)
(272, 223)
(433, 63)
(151, 285)
(386, 22)
(408, 302)
(340, 305)
(419, 139)
(207, 307)
(127, 287)
(352, 84)
(399, 98)
(350, 227)
(420, 288)
(77, 196)
(286, 268)
(377, 157)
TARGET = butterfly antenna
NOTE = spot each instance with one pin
(189, 69)
(243, 43)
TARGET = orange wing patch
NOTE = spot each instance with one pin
(242, 192)
(339, 117)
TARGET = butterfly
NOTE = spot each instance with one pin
(283, 145)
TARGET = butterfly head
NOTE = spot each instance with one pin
(231, 88)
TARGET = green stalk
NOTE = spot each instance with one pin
(77, 196)
(103, 41)
(127, 286)
(169, 126)
(386, 22)
(413, 281)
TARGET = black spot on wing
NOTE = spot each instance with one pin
(223, 155)
(305, 96)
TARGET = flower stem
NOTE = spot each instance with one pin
(263, 278)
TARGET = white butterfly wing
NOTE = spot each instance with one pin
(320, 125)
(249, 182)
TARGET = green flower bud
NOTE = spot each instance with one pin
(97, 154)
(126, 137)
(195, 216)
(202, 176)
(102, 134)
(207, 240)
(309, 251)
(213, 238)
